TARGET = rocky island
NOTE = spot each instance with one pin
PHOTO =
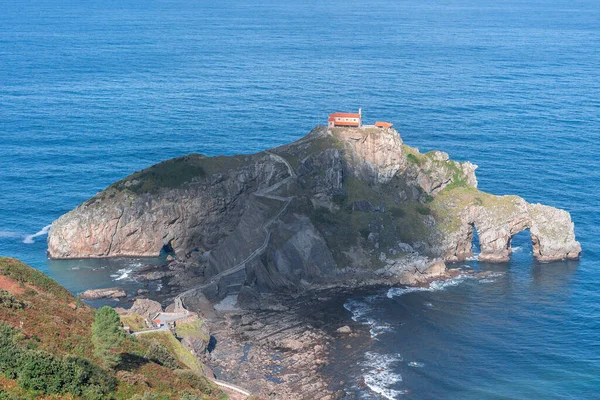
(340, 208)
(339, 200)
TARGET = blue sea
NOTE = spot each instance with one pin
(91, 91)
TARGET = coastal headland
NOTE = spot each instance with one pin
(264, 234)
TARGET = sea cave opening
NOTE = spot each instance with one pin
(475, 245)
(521, 244)
(167, 249)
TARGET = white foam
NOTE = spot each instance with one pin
(433, 286)
(361, 311)
(29, 238)
(159, 287)
(517, 249)
(416, 364)
(8, 234)
(122, 273)
(378, 375)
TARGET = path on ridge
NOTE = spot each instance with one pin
(260, 193)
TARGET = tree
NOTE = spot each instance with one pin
(107, 336)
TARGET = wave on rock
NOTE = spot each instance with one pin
(29, 238)
(378, 374)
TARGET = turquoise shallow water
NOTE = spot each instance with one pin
(92, 91)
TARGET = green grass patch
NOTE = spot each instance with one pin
(170, 342)
(135, 322)
(174, 173)
(194, 329)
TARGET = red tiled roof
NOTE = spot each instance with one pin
(344, 115)
(382, 124)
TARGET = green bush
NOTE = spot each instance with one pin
(49, 374)
(423, 210)
(160, 355)
(190, 396)
(413, 159)
(150, 396)
(7, 300)
(6, 396)
(197, 381)
(107, 336)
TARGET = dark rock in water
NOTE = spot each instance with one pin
(108, 293)
(143, 291)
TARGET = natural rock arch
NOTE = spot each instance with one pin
(551, 231)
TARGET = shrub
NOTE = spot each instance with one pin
(132, 379)
(49, 374)
(7, 300)
(423, 210)
(197, 381)
(107, 335)
(413, 159)
(150, 396)
(190, 396)
(160, 355)
(6, 396)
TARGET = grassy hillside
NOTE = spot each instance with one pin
(46, 349)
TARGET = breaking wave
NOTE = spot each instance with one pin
(29, 238)
(433, 286)
(378, 375)
(361, 311)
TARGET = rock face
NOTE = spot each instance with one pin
(146, 308)
(108, 293)
(337, 200)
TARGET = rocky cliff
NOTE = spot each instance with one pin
(337, 201)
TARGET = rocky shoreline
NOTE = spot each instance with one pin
(282, 349)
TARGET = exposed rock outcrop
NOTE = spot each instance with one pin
(107, 293)
(146, 308)
(341, 199)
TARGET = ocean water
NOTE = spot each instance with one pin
(93, 91)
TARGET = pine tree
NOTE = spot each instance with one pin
(107, 336)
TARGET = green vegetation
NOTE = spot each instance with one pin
(171, 174)
(47, 348)
(413, 159)
(46, 373)
(192, 329)
(168, 341)
(160, 355)
(199, 382)
(454, 198)
(7, 300)
(135, 322)
(107, 336)
(423, 210)
(23, 274)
